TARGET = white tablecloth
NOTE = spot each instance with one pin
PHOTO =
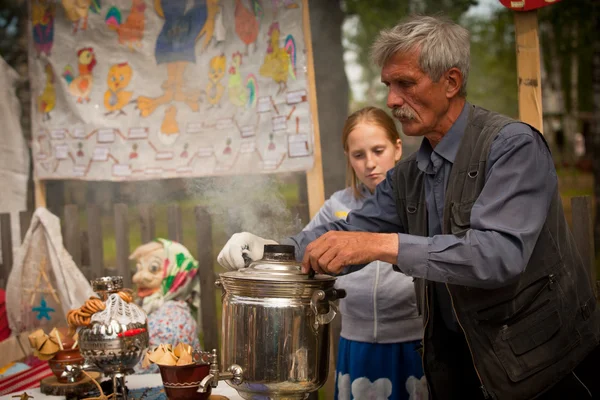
(135, 382)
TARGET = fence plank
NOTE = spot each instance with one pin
(174, 227)
(24, 222)
(583, 232)
(96, 241)
(147, 225)
(122, 243)
(73, 234)
(7, 250)
(208, 302)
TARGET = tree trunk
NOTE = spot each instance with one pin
(595, 123)
(326, 18)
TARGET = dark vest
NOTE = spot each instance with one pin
(527, 335)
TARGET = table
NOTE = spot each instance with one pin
(135, 382)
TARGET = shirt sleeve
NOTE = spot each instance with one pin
(324, 216)
(378, 214)
(506, 219)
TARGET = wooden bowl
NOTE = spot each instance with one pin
(182, 382)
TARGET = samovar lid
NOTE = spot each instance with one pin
(278, 264)
(107, 284)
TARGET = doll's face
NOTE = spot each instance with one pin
(149, 273)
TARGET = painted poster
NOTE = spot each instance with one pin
(149, 89)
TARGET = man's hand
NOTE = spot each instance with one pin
(246, 243)
(333, 251)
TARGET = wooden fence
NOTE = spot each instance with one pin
(94, 246)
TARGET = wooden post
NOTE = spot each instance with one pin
(314, 177)
(210, 328)
(122, 243)
(6, 245)
(73, 234)
(147, 226)
(174, 228)
(40, 193)
(96, 246)
(528, 68)
(583, 232)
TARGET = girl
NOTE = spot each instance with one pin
(381, 329)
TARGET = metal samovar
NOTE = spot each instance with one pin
(117, 337)
(275, 328)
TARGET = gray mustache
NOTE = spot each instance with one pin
(404, 112)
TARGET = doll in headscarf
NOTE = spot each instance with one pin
(169, 289)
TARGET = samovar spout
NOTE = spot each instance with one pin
(234, 374)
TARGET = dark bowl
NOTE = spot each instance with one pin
(62, 359)
(182, 382)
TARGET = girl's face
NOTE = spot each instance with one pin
(371, 153)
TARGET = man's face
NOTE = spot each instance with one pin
(416, 101)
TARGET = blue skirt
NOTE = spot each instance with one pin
(376, 370)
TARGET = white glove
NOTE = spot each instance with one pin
(246, 243)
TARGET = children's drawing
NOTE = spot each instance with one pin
(116, 97)
(247, 21)
(287, 4)
(47, 100)
(131, 31)
(80, 85)
(42, 23)
(241, 94)
(280, 62)
(216, 72)
(77, 12)
(80, 152)
(185, 23)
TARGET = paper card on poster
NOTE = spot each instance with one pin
(138, 133)
(184, 170)
(106, 135)
(205, 152)
(264, 104)
(79, 170)
(279, 123)
(121, 170)
(153, 171)
(61, 151)
(164, 155)
(248, 131)
(79, 133)
(269, 164)
(58, 134)
(194, 127)
(100, 153)
(296, 96)
(41, 156)
(225, 123)
(298, 145)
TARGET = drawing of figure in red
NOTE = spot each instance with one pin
(134, 153)
(271, 143)
(227, 150)
(80, 149)
(184, 153)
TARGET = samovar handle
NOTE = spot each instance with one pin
(323, 306)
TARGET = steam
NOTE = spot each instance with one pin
(250, 203)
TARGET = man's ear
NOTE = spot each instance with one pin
(454, 81)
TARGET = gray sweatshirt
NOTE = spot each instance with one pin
(380, 306)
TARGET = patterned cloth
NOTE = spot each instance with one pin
(384, 373)
(27, 379)
(172, 323)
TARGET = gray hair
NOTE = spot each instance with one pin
(443, 44)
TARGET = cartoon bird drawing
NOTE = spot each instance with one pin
(279, 62)
(186, 21)
(77, 12)
(47, 100)
(247, 22)
(216, 72)
(42, 23)
(241, 95)
(130, 32)
(116, 97)
(80, 86)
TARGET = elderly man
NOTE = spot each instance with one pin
(475, 217)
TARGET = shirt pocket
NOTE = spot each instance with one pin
(460, 217)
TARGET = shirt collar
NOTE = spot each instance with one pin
(448, 146)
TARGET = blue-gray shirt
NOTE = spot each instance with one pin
(505, 220)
